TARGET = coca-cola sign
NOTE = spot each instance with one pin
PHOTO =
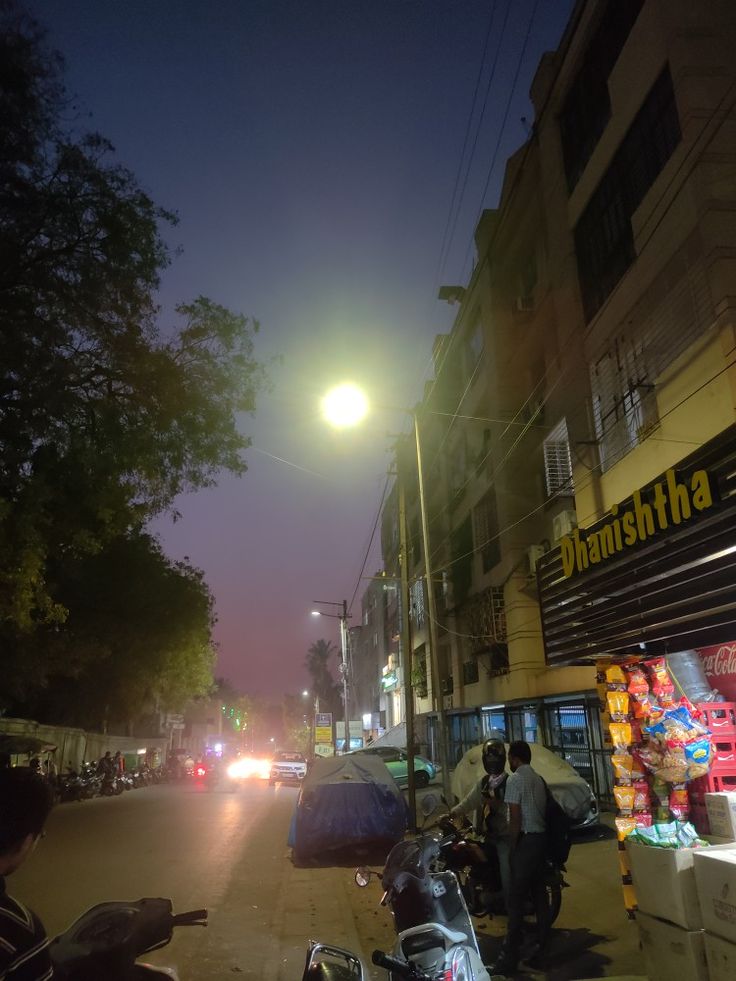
(719, 663)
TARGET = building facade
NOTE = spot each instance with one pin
(592, 352)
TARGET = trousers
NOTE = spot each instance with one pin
(527, 878)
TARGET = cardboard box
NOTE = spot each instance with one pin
(715, 876)
(721, 957)
(721, 810)
(671, 952)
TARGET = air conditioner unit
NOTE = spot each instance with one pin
(534, 553)
(563, 524)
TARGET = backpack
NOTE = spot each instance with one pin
(559, 830)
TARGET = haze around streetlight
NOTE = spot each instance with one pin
(345, 405)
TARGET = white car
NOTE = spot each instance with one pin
(568, 788)
(287, 768)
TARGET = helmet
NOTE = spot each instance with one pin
(494, 757)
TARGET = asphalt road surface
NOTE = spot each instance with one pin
(228, 852)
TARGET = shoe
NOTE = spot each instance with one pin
(504, 966)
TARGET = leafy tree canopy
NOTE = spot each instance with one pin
(324, 686)
(136, 640)
(104, 417)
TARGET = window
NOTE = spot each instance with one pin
(587, 107)
(470, 672)
(417, 602)
(485, 531)
(557, 461)
(604, 240)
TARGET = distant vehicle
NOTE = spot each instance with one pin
(397, 764)
(287, 768)
(249, 766)
(568, 788)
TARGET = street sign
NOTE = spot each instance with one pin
(323, 734)
(324, 749)
(323, 719)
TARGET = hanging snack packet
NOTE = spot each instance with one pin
(618, 705)
(637, 681)
(642, 800)
(624, 797)
(624, 827)
(615, 675)
(623, 767)
(620, 734)
(662, 684)
(679, 804)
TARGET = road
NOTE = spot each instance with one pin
(228, 852)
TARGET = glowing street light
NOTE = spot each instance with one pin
(345, 405)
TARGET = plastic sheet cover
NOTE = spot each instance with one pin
(346, 802)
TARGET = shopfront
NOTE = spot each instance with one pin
(656, 575)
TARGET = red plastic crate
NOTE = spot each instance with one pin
(724, 754)
(720, 782)
(719, 717)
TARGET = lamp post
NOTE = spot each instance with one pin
(343, 618)
(345, 406)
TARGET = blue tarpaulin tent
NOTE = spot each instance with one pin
(346, 803)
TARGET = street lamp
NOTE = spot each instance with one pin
(343, 618)
(339, 397)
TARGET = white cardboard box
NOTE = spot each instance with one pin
(722, 814)
(671, 952)
(721, 957)
(715, 876)
(664, 882)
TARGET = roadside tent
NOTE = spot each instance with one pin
(347, 804)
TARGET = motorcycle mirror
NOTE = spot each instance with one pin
(362, 876)
(429, 804)
(327, 963)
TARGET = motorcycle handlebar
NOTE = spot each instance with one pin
(396, 966)
(193, 917)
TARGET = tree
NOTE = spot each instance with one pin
(104, 416)
(136, 640)
(323, 684)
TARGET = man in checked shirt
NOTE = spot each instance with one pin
(25, 802)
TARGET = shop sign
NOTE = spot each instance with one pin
(667, 503)
(389, 681)
(719, 663)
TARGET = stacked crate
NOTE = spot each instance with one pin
(720, 718)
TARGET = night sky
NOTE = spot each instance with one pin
(311, 149)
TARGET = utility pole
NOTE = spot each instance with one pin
(438, 697)
(406, 652)
(345, 693)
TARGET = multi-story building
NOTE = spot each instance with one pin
(592, 354)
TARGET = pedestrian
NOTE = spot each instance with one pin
(25, 803)
(487, 802)
(526, 800)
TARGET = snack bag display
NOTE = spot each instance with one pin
(637, 681)
(678, 804)
(642, 801)
(625, 798)
(623, 768)
(615, 676)
(618, 705)
(620, 734)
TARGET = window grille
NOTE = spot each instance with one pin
(470, 672)
(557, 461)
(417, 602)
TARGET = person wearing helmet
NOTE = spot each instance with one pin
(486, 801)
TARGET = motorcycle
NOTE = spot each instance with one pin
(479, 875)
(107, 940)
(326, 962)
(435, 934)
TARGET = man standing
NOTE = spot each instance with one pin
(526, 799)
(25, 802)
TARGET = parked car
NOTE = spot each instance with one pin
(397, 765)
(570, 790)
(287, 768)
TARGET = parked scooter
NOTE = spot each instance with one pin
(326, 962)
(435, 934)
(107, 940)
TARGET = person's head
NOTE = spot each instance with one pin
(107, 755)
(519, 753)
(25, 803)
(494, 757)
